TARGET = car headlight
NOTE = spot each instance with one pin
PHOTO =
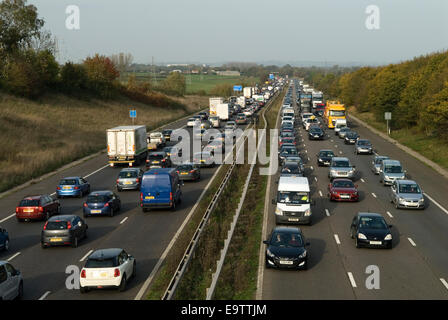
(400, 199)
(421, 200)
(307, 212)
(278, 211)
(388, 237)
(303, 255)
(270, 254)
(362, 236)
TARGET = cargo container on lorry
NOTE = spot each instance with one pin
(223, 111)
(213, 102)
(334, 110)
(247, 92)
(127, 145)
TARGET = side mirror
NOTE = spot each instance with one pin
(266, 242)
(390, 226)
(307, 243)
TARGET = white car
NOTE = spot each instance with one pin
(157, 138)
(233, 124)
(191, 122)
(309, 122)
(107, 268)
(288, 121)
(11, 282)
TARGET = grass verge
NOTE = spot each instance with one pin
(430, 147)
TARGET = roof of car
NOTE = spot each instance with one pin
(287, 229)
(340, 159)
(105, 253)
(100, 193)
(381, 157)
(65, 217)
(130, 169)
(369, 214)
(391, 161)
(70, 178)
(406, 181)
(34, 197)
(341, 179)
(157, 153)
(325, 150)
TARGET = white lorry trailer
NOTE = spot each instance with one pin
(127, 145)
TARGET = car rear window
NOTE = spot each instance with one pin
(102, 263)
(341, 164)
(128, 174)
(68, 182)
(97, 199)
(29, 203)
(57, 225)
(155, 157)
(185, 167)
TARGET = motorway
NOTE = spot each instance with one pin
(417, 265)
(144, 235)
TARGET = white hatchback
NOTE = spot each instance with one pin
(107, 268)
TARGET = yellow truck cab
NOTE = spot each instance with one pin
(334, 111)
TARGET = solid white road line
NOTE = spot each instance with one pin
(320, 193)
(336, 237)
(389, 214)
(340, 152)
(45, 295)
(335, 145)
(309, 159)
(374, 195)
(8, 217)
(13, 256)
(327, 212)
(107, 165)
(315, 179)
(332, 140)
(122, 221)
(412, 242)
(363, 180)
(444, 283)
(87, 254)
(352, 279)
(434, 201)
(312, 168)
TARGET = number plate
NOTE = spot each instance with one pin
(184, 173)
(149, 198)
(55, 239)
(28, 210)
(345, 197)
(128, 182)
(286, 262)
(375, 242)
(95, 211)
(66, 188)
(293, 219)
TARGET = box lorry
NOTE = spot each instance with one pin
(213, 102)
(126, 145)
(223, 111)
(247, 92)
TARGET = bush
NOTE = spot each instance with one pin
(73, 77)
(101, 75)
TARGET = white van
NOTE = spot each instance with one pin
(339, 124)
(293, 201)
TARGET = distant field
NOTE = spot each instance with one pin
(195, 82)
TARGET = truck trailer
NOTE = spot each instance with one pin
(127, 145)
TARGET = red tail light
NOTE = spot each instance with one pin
(58, 188)
(137, 180)
(141, 196)
(76, 188)
(171, 196)
(107, 204)
(118, 180)
(45, 226)
(83, 273)
(147, 161)
(85, 204)
(17, 209)
(116, 272)
(41, 209)
(69, 225)
(192, 171)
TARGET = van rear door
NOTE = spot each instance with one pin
(156, 189)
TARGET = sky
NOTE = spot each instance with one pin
(262, 31)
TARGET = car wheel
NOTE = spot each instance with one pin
(357, 243)
(396, 205)
(119, 189)
(111, 213)
(20, 291)
(58, 212)
(6, 247)
(134, 270)
(75, 242)
(305, 266)
(83, 289)
(173, 207)
(122, 285)
(43, 246)
(47, 215)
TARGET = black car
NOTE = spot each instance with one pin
(4, 239)
(286, 248)
(291, 169)
(343, 132)
(173, 150)
(316, 133)
(371, 230)
(203, 115)
(351, 137)
(167, 134)
(324, 157)
(63, 230)
(287, 151)
(158, 159)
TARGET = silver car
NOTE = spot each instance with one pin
(340, 167)
(407, 194)
(363, 146)
(376, 163)
(390, 171)
(129, 179)
(11, 282)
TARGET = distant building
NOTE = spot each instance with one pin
(228, 73)
(177, 70)
(194, 71)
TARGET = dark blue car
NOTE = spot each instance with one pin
(101, 203)
(72, 186)
(160, 188)
(4, 239)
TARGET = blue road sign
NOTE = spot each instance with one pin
(271, 76)
(237, 88)
(133, 113)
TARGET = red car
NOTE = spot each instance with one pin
(343, 190)
(40, 207)
(287, 140)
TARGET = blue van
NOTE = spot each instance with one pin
(160, 188)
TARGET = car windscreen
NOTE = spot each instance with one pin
(363, 143)
(409, 188)
(289, 151)
(379, 160)
(97, 199)
(56, 225)
(341, 164)
(372, 223)
(315, 130)
(185, 167)
(128, 174)
(291, 169)
(102, 263)
(29, 203)
(337, 113)
(327, 154)
(393, 169)
(283, 239)
(293, 197)
(343, 184)
(70, 182)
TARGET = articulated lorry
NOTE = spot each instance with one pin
(127, 145)
(334, 110)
